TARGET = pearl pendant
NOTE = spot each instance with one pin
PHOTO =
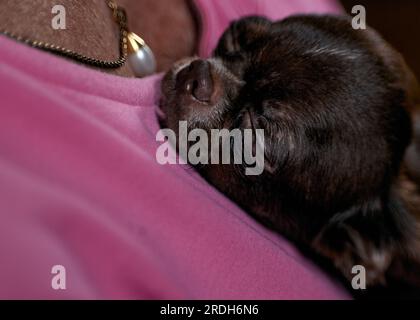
(140, 57)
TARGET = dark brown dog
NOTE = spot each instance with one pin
(335, 105)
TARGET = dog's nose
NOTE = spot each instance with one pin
(197, 81)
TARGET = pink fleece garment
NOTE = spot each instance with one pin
(80, 187)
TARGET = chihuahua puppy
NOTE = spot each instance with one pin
(335, 106)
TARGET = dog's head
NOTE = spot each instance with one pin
(333, 103)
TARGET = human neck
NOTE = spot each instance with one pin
(91, 31)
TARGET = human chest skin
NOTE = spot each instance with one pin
(167, 26)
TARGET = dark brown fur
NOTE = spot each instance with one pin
(335, 105)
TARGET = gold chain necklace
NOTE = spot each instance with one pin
(132, 47)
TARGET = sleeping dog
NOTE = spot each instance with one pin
(336, 106)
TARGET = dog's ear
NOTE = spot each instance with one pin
(411, 88)
(406, 81)
(412, 156)
(377, 235)
(241, 34)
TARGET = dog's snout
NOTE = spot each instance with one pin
(197, 81)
